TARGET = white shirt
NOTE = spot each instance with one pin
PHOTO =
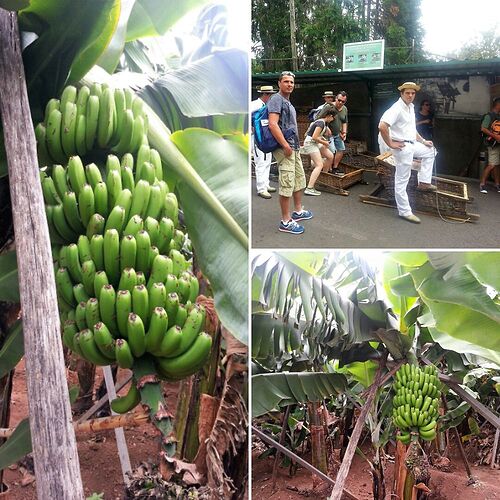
(255, 105)
(401, 120)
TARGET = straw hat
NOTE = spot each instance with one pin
(328, 93)
(266, 89)
(409, 85)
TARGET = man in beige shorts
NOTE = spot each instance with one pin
(292, 180)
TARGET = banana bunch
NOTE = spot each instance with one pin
(415, 404)
(89, 118)
(124, 286)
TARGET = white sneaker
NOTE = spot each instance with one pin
(311, 192)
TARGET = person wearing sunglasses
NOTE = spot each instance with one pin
(338, 127)
(425, 120)
(292, 180)
(262, 160)
(398, 134)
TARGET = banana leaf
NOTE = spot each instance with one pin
(155, 17)
(71, 37)
(220, 239)
(362, 372)
(17, 446)
(460, 306)
(9, 286)
(275, 390)
(214, 88)
(12, 349)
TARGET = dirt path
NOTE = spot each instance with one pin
(99, 463)
(444, 485)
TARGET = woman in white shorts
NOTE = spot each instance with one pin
(316, 146)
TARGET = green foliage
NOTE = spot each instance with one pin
(323, 26)
(17, 445)
(95, 496)
(484, 46)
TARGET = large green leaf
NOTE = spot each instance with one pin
(410, 259)
(219, 237)
(9, 284)
(484, 265)
(71, 37)
(155, 17)
(363, 372)
(274, 390)
(17, 446)
(460, 306)
(215, 86)
(12, 349)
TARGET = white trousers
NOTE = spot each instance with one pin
(404, 160)
(262, 167)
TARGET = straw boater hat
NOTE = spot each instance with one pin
(266, 89)
(328, 93)
(409, 85)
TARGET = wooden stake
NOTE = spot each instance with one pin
(57, 467)
(495, 447)
(358, 429)
(282, 440)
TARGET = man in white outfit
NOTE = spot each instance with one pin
(262, 160)
(398, 133)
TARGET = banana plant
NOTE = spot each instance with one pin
(214, 210)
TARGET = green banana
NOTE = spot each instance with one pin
(104, 340)
(101, 199)
(134, 225)
(91, 119)
(128, 251)
(76, 174)
(189, 362)
(53, 136)
(112, 255)
(93, 175)
(73, 260)
(97, 251)
(70, 207)
(88, 271)
(69, 332)
(128, 279)
(124, 358)
(152, 226)
(65, 286)
(49, 192)
(114, 185)
(140, 303)
(80, 315)
(157, 328)
(143, 248)
(86, 204)
(123, 309)
(136, 335)
(61, 224)
(59, 178)
(89, 348)
(100, 280)
(115, 219)
(68, 128)
(84, 252)
(92, 315)
(107, 308)
(128, 402)
(166, 231)
(105, 121)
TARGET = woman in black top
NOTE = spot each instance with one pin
(424, 120)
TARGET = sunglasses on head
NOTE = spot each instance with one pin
(287, 73)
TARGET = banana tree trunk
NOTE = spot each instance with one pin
(57, 466)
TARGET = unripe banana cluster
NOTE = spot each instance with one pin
(88, 118)
(416, 402)
(122, 280)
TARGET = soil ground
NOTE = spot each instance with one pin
(99, 462)
(444, 485)
(345, 222)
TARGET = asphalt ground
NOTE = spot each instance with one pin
(346, 222)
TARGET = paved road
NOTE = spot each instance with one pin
(345, 222)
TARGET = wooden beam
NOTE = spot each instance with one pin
(55, 454)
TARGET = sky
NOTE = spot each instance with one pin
(450, 24)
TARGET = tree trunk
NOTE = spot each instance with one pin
(55, 454)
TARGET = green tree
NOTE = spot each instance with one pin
(484, 46)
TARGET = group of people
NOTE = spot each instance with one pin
(406, 134)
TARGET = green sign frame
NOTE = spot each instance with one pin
(361, 56)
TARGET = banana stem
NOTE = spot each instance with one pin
(159, 138)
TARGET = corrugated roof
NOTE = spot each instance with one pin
(423, 70)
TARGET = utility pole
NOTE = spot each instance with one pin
(293, 43)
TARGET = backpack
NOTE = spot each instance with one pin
(494, 127)
(263, 137)
(311, 116)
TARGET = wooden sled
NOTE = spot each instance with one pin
(449, 201)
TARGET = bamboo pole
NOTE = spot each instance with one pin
(284, 427)
(55, 453)
(99, 424)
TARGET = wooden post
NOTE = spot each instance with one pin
(356, 434)
(284, 428)
(57, 467)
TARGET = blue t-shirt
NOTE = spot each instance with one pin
(288, 117)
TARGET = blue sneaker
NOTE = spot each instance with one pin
(291, 227)
(302, 215)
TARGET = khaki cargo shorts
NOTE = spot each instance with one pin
(494, 156)
(291, 172)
